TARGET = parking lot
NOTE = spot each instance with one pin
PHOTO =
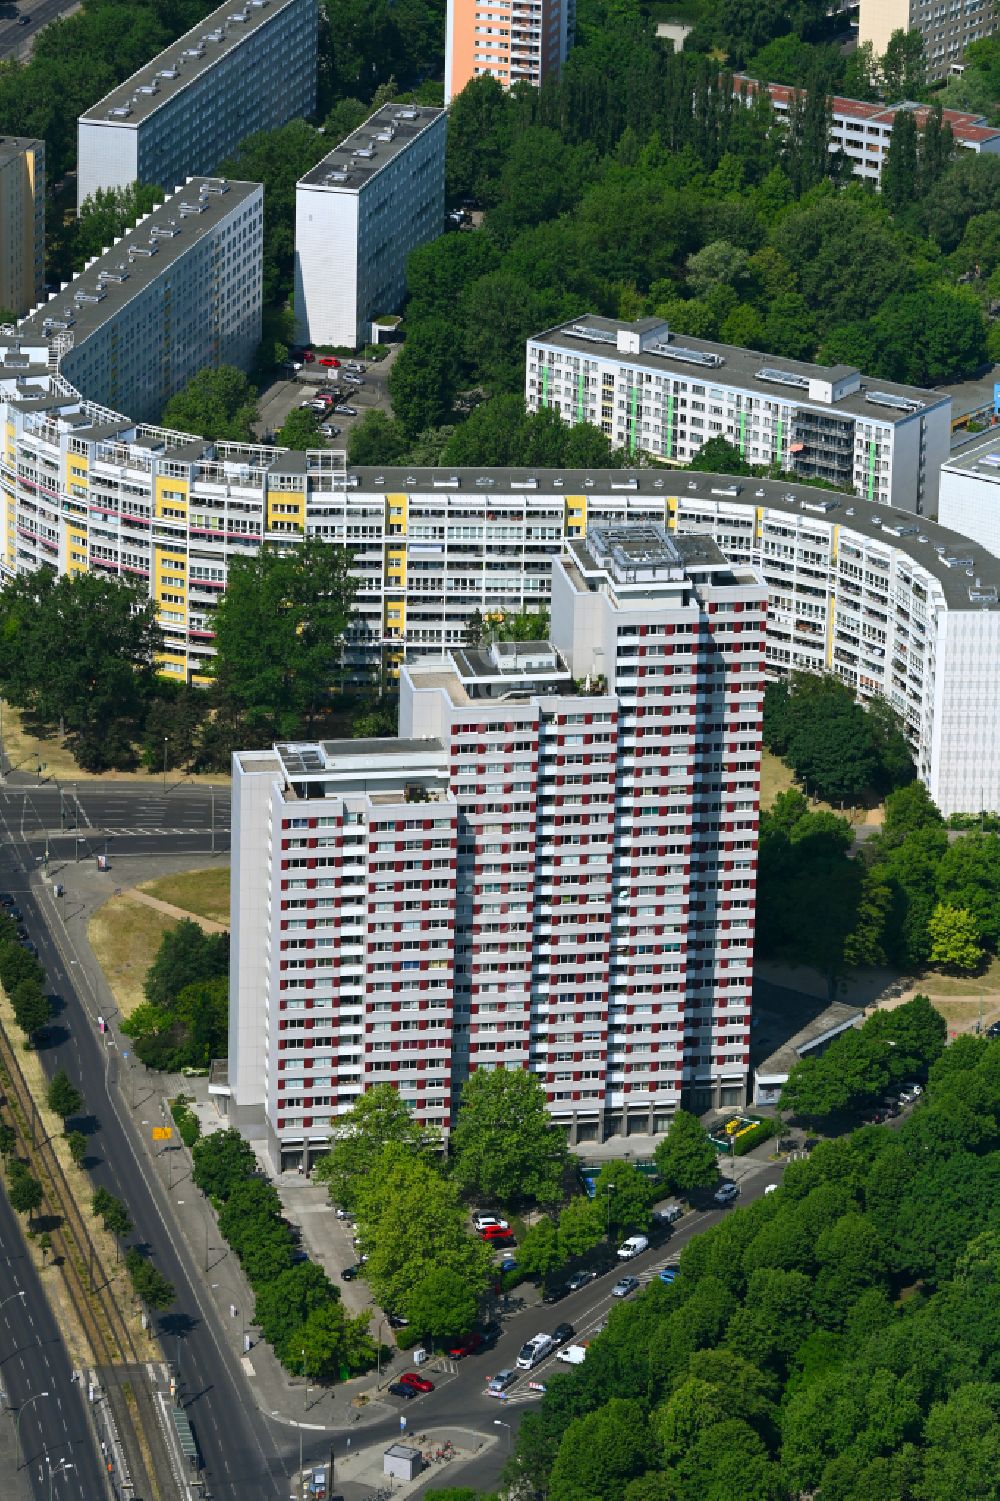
(282, 396)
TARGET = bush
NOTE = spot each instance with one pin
(760, 1132)
(185, 1120)
(408, 1338)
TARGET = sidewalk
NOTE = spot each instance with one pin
(145, 1095)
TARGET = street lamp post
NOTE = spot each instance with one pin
(17, 1424)
(609, 1189)
(166, 740)
(499, 1423)
(64, 1464)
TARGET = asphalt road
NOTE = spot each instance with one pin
(86, 819)
(33, 1359)
(16, 41)
(459, 1399)
(240, 1456)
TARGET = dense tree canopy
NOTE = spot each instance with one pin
(834, 1339)
(504, 1146)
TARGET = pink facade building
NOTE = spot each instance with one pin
(552, 868)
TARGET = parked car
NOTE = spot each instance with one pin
(484, 1221)
(468, 1344)
(633, 1246)
(350, 1272)
(418, 1383)
(343, 411)
(353, 380)
(727, 1193)
(330, 430)
(556, 1293)
(624, 1286)
(507, 1264)
(562, 1332)
(578, 1280)
(329, 363)
(308, 358)
(670, 1273)
(909, 1093)
(667, 1216)
(498, 1384)
(6, 900)
(993, 1030)
(403, 1389)
(496, 1232)
(357, 367)
(396, 1321)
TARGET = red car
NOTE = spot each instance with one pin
(308, 356)
(330, 363)
(497, 1236)
(467, 1345)
(418, 1383)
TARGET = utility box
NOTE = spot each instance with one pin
(421, 1356)
(402, 1462)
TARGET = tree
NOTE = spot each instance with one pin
(601, 1452)
(8, 1139)
(32, 1008)
(379, 1118)
(581, 1226)
(329, 1342)
(77, 1143)
(902, 66)
(279, 631)
(424, 377)
(216, 403)
(719, 456)
(24, 1191)
(442, 1304)
(187, 955)
(623, 1194)
(222, 1160)
(113, 1214)
(411, 1222)
(107, 214)
(954, 937)
(899, 170)
(63, 1096)
(149, 1285)
(300, 430)
(685, 1158)
(376, 439)
(541, 1251)
(504, 1145)
(284, 1304)
(79, 652)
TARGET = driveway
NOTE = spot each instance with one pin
(282, 396)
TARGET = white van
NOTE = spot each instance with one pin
(633, 1247)
(535, 1350)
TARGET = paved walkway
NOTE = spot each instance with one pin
(206, 923)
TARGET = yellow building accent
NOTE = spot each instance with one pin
(834, 543)
(575, 515)
(286, 508)
(200, 680)
(397, 513)
(395, 617)
(171, 498)
(670, 513)
(758, 528)
(830, 609)
(76, 550)
(77, 472)
(395, 567)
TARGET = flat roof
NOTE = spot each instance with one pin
(171, 71)
(982, 456)
(369, 148)
(11, 146)
(923, 540)
(138, 258)
(739, 367)
(966, 125)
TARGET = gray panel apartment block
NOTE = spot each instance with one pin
(179, 292)
(246, 67)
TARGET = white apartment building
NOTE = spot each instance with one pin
(180, 291)
(947, 27)
(862, 131)
(664, 394)
(22, 223)
(882, 597)
(553, 868)
(969, 500)
(246, 67)
(358, 214)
